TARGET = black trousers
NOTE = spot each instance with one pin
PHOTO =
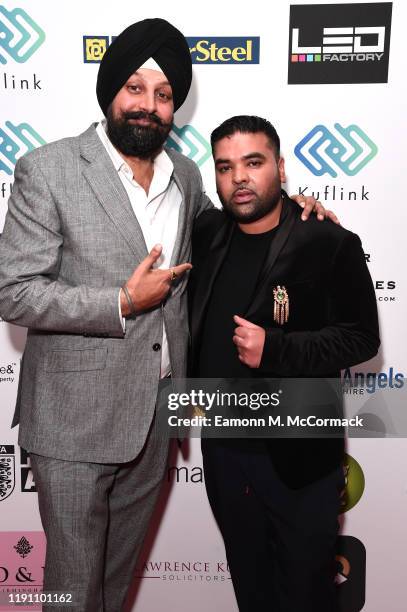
(280, 542)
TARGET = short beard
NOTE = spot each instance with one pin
(141, 141)
(256, 210)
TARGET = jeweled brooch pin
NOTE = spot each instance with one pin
(281, 305)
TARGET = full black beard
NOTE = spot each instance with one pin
(139, 141)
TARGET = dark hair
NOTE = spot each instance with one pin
(247, 124)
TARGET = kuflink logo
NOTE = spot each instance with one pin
(325, 151)
(15, 140)
(20, 35)
(190, 142)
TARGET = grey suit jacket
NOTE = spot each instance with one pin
(87, 391)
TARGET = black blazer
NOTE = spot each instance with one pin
(332, 324)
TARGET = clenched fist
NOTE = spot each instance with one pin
(249, 340)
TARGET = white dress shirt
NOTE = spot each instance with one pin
(157, 212)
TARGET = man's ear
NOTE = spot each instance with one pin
(281, 170)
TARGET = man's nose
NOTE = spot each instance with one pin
(239, 175)
(147, 102)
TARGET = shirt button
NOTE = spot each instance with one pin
(156, 346)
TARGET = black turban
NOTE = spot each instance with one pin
(154, 38)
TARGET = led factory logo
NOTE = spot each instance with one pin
(345, 41)
(15, 140)
(188, 140)
(339, 43)
(20, 36)
(323, 151)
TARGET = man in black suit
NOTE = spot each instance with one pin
(271, 297)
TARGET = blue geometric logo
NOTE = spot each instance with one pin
(15, 140)
(323, 151)
(190, 142)
(20, 36)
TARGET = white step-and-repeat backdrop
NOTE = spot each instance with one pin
(331, 77)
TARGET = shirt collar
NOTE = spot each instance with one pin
(162, 162)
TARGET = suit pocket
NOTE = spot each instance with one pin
(76, 360)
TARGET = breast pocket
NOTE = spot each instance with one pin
(305, 304)
(76, 360)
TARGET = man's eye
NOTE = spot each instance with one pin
(134, 88)
(254, 164)
(223, 169)
(164, 96)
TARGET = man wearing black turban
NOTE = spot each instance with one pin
(100, 225)
(151, 38)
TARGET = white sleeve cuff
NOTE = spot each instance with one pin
(122, 319)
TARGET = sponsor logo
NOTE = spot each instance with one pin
(351, 574)
(204, 50)
(334, 193)
(7, 471)
(388, 287)
(224, 50)
(15, 140)
(381, 401)
(7, 372)
(21, 565)
(20, 35)
(27, 479)
(9, 82)
(94, 48)
(354, 484)
(325, 151)
(361, 382)
(23, 547)
(184, 571)
(185, 474)
(339, 43)
(190, 142)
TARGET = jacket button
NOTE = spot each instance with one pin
(156, 346)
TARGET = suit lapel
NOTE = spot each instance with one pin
(216, 256)
(287, 221)
(182, 221)
(110, 192)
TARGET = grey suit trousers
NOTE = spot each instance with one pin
(95, 517)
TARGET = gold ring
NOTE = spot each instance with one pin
(173, 275)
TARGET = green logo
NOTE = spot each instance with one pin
(324, 151)
(15, 140)
(354, 484)
(20, 36)
(190, 142)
